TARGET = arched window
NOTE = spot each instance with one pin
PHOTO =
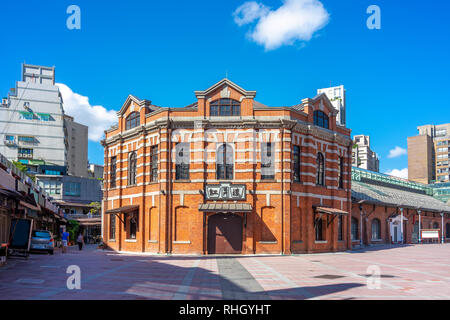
(133, 120)
(447, 233)
(132, 162)
(354, 228)
(320, 179)
(376, 229)
(225, 107)
(321, 119)
(225, 162)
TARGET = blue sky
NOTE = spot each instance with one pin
(397, 78)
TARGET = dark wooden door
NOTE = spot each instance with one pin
(224, 234)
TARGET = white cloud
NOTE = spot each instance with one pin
(401, 173)
(97, 118)
(397, 152)
(249, 12)
(295, 20)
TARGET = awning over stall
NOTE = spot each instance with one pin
(125, 209)
(225, 207)
(332, 211)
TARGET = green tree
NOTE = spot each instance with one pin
(96, 208)
(73, 228)
(20, 166)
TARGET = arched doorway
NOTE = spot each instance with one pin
(224, 233)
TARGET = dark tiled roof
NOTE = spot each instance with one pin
(394, 197)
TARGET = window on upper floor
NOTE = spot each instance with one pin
(113, 169)
(225, 107)
(267, 161)
(133, 120)
(132, 166)
(320, 177)
(51, 187)
(225, 162)
(296, 162)
(26, 139)
(154, 160)
(72, 189)
(321, 119)
(25, 153)
(182, 159)
(341, 173)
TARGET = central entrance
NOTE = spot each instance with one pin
(225, 233)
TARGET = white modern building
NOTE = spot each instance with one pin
(363, 156)
(34, 129)
(337, 96)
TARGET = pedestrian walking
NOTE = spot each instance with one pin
(65, 240)
(80, 241)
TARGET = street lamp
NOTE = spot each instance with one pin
(442, 227)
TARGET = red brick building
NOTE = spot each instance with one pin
(227, 174)
(391, 210)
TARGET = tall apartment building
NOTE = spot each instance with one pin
(428, 154)
(32, 119)
(34, 129)
(420, 159)
(337, 96)
(77, 151)
(363, 156)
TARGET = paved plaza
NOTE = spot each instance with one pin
(406, 272)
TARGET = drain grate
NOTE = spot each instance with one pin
(116, 259)
(329, 276)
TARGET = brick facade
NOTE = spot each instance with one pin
(283, 212)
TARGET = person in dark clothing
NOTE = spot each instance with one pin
(80, 241)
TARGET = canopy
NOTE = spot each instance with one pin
(225, 207)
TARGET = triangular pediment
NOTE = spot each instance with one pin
(223, 85)
(325, 102)
(132, 99)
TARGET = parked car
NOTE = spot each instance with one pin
(42, 240)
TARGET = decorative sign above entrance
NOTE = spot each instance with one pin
(225, 191)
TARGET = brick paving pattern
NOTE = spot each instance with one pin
(406, 272)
